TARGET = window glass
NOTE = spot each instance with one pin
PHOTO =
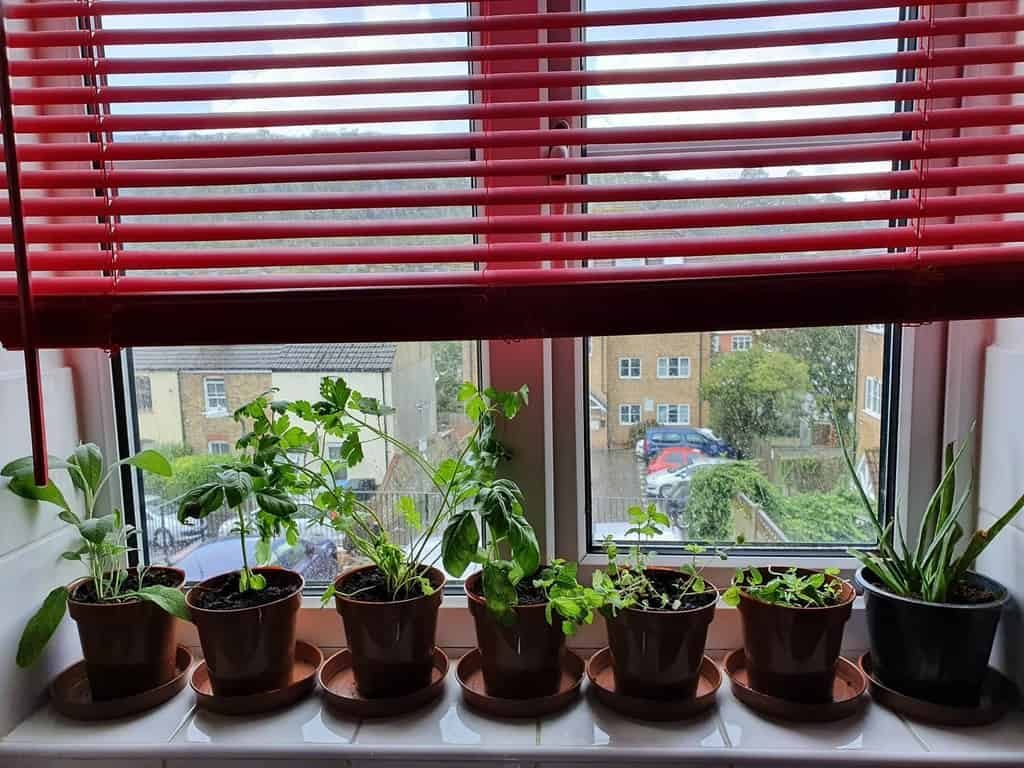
(629, 368)
(143, 393)
(760, 429)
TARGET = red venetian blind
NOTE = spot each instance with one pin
(232, 171)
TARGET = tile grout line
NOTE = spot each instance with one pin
(913, 732)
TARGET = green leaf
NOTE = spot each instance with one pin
(169, 599)
(262, 553)
(25, 487)
(328, 595)
(257, 581)
(96, 529)
(467, 390)
(151, 461)
(236, 485)
(291, 535)
(200, 501)
(24, 466)
(88, 459)
(499, 591)
(459, 543)
(276, 502)
(41, 626)
(407, 508)
(523, 540)
(732, 596)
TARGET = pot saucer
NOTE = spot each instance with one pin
(471, 678)
(847, 693)
(602, 678)
(339, 689)
(72, 697)
(307, 660)
(998, 696)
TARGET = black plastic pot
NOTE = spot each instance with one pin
(937, 652)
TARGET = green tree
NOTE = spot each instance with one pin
(448, 375)
(754, 394)
(712, 490)
(830, 354)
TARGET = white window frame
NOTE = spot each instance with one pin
(873, 397)
(878, 328)
(681, 408)
(215, 410)
(210, 447)
(748, 342)
(664, 367)
(630, 421)
(630, 367)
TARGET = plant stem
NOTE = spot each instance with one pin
(241, 534)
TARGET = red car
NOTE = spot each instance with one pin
(673, 457)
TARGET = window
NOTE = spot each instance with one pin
(218, 448)
(629, 413)
(673, 367)
(629, 367)
(873, 397)
(333, 452)
(216, 395)
(143, 393)
(716, 343)
(742, 343)
(673, 414)
(875, 328)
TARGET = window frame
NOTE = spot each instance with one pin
(639, 414)
(872, 394)
(679, 411)
(748, 342)
(668, 367)
(629, 375)
(208, 410)
(211, 443)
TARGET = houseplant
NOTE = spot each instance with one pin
(125, 616)
(793, 621)
(246, 619)
(522, 612)
(657, 617)
(931, 619)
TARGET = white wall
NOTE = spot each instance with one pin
(32, 537)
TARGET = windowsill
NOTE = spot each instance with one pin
(729, 735)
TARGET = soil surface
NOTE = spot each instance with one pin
(964, 593)
(224, 595)
(526, 593)
(370, 586)
(87, 592)
(672, 584)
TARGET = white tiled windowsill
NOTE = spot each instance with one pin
(177, 735)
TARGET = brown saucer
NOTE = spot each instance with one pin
(998, 696)
(307, 660)
(471, 678)
(602, 678)
(847, 693)
(339, 689)
(72, 697)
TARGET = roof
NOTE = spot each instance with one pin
(269, 357)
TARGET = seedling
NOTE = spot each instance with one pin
(103, 544)
(574, 603)
(815, 590)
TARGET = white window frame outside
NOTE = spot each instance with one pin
(748, 342)
(875, 328)
(210, 444)
(664, 367)
(630, 367)
(215, 410)
(873, 397)
(630, 421)
(680, 409)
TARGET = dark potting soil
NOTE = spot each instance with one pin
(87, 592)
(224, 596)
(526, 593)
(370, 586)
(963, 593)
(672, 584)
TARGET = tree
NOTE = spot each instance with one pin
(754, 394)
(830, 354)
(447, 375)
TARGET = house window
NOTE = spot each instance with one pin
(334, 452)
(218, 447)
(742, 343)
(875, 328)
(216, 395)
(629, 367)
(673, 414)
(673, 367)
(143, 393)
(716, 343)
(629, 413)
(873, 397)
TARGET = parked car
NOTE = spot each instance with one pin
(658, 438)
(315, 560)
(164, 531)
(661, 483)
(674, 457)
(677, 494)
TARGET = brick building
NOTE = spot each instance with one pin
(868, 403)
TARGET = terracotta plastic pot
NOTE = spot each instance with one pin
(791, 653)
(657, 654)
(392, 643)
(521, 660)
(249, 650)
(931, 651)
(128, 647)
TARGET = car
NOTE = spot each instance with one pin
(660, 483)
(164, 531)
(315, 560)
(658, 438)
(674, 457)
(678, 493)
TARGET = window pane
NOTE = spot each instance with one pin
(747, 445)
(419, 379)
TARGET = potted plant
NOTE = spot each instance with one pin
(125, 616)
(931, 619)
(793, 621)
(246, 619)
(657, 618)
(513, 600)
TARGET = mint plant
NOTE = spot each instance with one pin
(574, 603)
(103, 540)
(815, 590)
